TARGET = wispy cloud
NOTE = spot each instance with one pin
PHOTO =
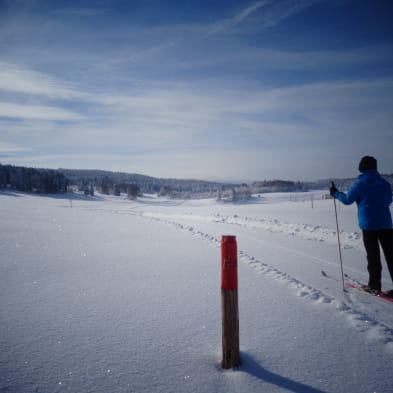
(271, 13)
(227, 24)
(7, 149)
(81, 12)
(180, 116)
(18, 111)
(18, 79)
(282, 10)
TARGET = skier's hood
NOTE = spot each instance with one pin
(370, 177)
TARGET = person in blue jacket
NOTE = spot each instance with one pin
(373, 195)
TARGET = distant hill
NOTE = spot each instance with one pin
(107, 182)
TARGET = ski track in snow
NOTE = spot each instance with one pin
(373, 329)
(307, 231)
(310, 232)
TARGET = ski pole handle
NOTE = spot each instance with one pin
(333, 189)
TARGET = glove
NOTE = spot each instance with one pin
(333, 189)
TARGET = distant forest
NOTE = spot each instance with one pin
(115, 183)
(45, 181)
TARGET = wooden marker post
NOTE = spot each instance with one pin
(229, 303)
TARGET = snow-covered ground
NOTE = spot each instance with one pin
(108, 295)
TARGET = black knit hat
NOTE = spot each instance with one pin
(367, 163)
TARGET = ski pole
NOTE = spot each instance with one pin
(338, 240)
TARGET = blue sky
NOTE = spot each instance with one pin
(218, 90)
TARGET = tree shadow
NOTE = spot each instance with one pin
(251, 366)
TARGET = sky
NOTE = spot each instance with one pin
(214, 90)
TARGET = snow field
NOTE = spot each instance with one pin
(113, 295)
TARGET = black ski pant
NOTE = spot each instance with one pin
(372, 240)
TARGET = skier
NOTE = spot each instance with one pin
(373, 195)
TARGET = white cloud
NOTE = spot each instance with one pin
(25, 81)
(6, 148)
(208, 116)
(18, 111)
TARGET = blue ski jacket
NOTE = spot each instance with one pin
(373, 195)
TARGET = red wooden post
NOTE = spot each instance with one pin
(229, 303)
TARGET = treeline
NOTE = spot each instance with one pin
(278, 186)
(108, 187)
(45, 181)
(115, 183)
(133, 185)
(344, 184)
(118, 182)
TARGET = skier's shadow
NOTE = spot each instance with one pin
(251, 366)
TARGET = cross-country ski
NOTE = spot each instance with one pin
(362, 287)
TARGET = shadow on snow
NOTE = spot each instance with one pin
(250, 366)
